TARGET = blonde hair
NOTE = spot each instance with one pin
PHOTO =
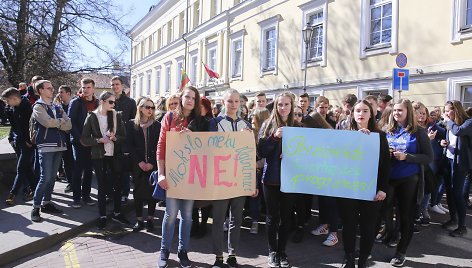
(174, 96)
(411, 124)
(139, 114)
(275, 121)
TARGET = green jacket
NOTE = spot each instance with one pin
(91, 133)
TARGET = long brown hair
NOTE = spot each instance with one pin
(196, 108)
(260, 115)
(411, 125)
(275, 121)
(418, 105)
(460, 114)
(371, 124)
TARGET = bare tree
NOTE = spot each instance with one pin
(40, 36)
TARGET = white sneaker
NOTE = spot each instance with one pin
(331, 240)
(254, 228)
(437, 210)
(443, 208)
(321, 230)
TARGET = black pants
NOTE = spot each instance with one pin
(303, 208)
(278, 215)
(106, 175)
(404, 191)
(358, 212)
(328, 212)
(455, 182)
(139, 204)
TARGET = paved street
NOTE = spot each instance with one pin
(118, 247)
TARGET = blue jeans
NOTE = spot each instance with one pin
(24, 169)
(454, 182)
(173, 206)
(82, 165)
(48, 164)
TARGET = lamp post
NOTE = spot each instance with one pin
(307, 34)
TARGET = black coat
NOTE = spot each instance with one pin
(137, 149)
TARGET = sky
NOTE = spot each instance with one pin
(137, 9)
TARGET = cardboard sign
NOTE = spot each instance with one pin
(210, 165)
(328, 162)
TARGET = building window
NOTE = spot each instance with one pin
(211, 60)
(215, 8)
(181, 23)
(193, 67)
(196, 14)
(150, 44)
(158, 80)
(169, 32)
(461, 20)
(378, 27)
(141, 85)
(316, 45)
(466, 96)
(142, 48)
(237, 57)
(168, 76)
(178, 73)
(269, 44)
(315, 14)
(148, 83)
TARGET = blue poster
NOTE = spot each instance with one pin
(328, 162)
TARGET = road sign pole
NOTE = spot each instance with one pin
(401, 87)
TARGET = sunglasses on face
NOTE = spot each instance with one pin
(111, 102)
(298, 114)
(149, 107)
(173, 103)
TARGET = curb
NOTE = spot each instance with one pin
(51, 240)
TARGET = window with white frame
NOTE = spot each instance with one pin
(466, 97)
(168, 76)
(269, 44)
(141, 85)
(461, 20)
(215, 8)
(148, 83)
(134, 88)
(196, 14)
(178, 73)
(315, 14)
(316, 45)
(237, 57)
(211, 60)
(158, 80)
(379, 27)
(193, 67)
(170, 32)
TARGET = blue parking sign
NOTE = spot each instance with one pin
(400, 79)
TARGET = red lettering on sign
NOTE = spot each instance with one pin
(195, 166)
(401, 74)
(217, 170)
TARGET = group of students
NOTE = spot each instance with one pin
(409, 179)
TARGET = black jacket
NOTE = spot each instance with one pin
(19, 118)
(137, 146)
(127, 107)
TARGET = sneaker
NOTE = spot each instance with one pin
(102, 223)
(283, 260)
(149, 225)
(10, 200)
(138, 226)
(449, 224)
(460, 231)
(76, 205)
(416, 229)
(298, 236)
(398, 260)
(164, 256)
(120, 219)
(273, 260)
(89, 201)
(254, 228)
(184, 261)
(424, 221)
(232, 262)
(437, 210)
(68, 188)
(35, 216)
(28, 196)
(321, 230)
(393, 243)
(218, 263)
(331, 240)
(443, 208)
(50, 208)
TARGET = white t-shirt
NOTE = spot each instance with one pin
(102, 122)
(451, 147)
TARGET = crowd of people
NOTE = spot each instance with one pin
(122, 141)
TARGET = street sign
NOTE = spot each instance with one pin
(401, 60)
(400, 79)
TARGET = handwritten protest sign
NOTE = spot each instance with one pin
(210, 165)
(330, 162)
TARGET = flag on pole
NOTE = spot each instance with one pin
(210, 72)
(184, 80)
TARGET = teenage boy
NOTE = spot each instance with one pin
(78, 109)
(127, 107)
(304, 103)
(19, 117)
(65, 96)
(49, 124)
